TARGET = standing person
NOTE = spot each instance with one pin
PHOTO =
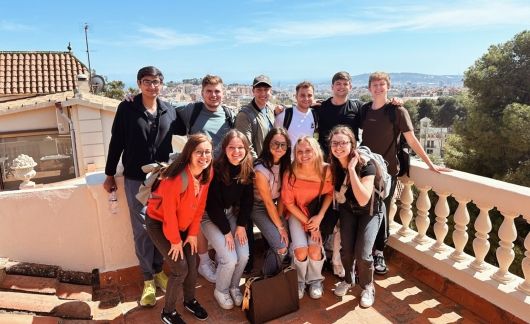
(142, 130)
(338, 110)
(300, 187)
(174, 213)
(214, 119)
(228, 208)
(381, 134)
(267, 213)
(255, 120)
(301, 119)
(353, 179)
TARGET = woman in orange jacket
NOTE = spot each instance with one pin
(174, 213)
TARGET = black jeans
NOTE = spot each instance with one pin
(183, 272)
(358, 230)
(384, 232)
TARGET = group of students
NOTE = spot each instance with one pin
(261, 173)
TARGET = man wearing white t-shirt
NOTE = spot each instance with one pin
(300, 119)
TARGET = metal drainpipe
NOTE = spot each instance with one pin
(59, 107)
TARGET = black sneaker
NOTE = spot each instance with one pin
(196, 309)
(171, 318)
(380, 265)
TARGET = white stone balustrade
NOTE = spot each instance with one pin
(496, 284)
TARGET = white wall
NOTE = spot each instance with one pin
(67, 225)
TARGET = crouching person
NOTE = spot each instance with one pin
(228, 209)
(308, 178)
(174, 213)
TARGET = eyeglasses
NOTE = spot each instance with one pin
(201, 153)
(279, 145)
(339, 143)
(148, 83)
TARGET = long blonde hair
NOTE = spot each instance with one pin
(318, 158)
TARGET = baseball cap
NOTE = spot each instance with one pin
(262, 80)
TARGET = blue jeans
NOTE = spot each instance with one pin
(270, 232)
(150, 259)
(358, 230)
(231, 263)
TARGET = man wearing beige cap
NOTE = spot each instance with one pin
(257, 118)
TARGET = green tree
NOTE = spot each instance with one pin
(449, 108)
(114, 89)
(426, 108)
(493, 139)
(412, 108)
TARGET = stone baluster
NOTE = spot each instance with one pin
(423, 204)
(505, 253)
(440, 227)
(406, 213)
(460, 236)
(481, 244)
(525, 265)
(392, 213)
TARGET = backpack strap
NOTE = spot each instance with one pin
(229, 117)
(287, 117)
(315, 118)
(197, 107)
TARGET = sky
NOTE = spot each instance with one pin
(288, 40)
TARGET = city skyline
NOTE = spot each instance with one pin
(288, 41)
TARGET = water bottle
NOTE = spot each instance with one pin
(113, 201)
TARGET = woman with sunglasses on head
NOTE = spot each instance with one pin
(353, 179)
(308, 177)
(174, 213)
(272, 163)
(228, 209)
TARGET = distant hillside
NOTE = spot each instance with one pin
(417, 79)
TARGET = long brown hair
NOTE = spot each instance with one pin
(184, 158)
(266, 157)
(334, 162)
(222, 164)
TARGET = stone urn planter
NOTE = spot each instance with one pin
(23, 170)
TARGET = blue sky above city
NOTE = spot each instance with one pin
(288, 40)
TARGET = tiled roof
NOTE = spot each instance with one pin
(38, 72)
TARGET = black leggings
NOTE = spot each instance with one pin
(384, 233)
(183, 272)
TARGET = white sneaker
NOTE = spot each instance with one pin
(237, 297)
(338, 270)
(301, 290)
(368, 296)
(316, 290)
(342, 288)
(224, 300)
(208, 271)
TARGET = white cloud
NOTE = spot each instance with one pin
(374, 20)
(13, 27)
(165, 38)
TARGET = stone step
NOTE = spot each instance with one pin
(44, 305)
(30, 284)
(14, 318)
(74, 292)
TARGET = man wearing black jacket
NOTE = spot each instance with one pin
(141, 134)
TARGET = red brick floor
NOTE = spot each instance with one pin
(400, 298)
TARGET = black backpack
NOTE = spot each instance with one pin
(197, 107)
(288, 117)
(402, 147)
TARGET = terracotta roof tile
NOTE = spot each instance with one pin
(38, 72)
